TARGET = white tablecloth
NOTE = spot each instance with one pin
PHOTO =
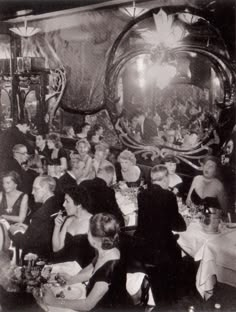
(216, 253)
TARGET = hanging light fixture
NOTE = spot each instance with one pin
(133, 11)
(25, 31)
(166, 33)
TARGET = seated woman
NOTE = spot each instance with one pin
(175, 181)
(128, 171)
(69, 240)
(105, 275)
(58, 156)
(96, 134)
(13, 203)
(69, 132)
(13, 206)
(83, 147)
(100, 161)
(206, 189)
(84, 130)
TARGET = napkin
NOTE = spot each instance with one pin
(70, 267)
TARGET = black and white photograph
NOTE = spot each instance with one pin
(117, 155)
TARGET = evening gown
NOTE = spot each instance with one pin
(16, 207)
(113, 273)
(119, 177)
(76, 248)
(56, 161)
(206, 201)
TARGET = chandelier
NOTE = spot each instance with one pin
(133, 11)
(166, 32)
(25, 31)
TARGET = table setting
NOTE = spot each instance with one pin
(211, 240)
(127, 201)
(35, 276)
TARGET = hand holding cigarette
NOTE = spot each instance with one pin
(59, 220)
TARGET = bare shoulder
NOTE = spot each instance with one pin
(25, 197)
(219, 185)
(197, 179)
(69, 221)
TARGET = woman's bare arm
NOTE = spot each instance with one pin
(96, 294)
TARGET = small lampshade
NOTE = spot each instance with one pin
(25, 31)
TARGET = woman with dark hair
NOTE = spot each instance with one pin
(207, 189)
(58, 155)
(96, 134)
(84, 130)
(13, 203)
(70, 235)
(105, 275)
(175, 181)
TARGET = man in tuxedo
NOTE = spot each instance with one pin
(158, 216)
(17, 163)
(11, 137)
(148, 127)
(70, 178)
(102, 196)
(37, 237)
(41, 147)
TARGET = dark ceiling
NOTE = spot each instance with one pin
(9, 8)
(222, 12)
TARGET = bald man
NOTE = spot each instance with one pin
(37, 237)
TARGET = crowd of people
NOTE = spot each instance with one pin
(61, 205)
(160, 127)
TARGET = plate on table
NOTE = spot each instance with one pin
(231, 225)
(71, 292)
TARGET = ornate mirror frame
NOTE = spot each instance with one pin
(217, 56)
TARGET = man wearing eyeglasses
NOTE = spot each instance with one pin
(16, 163)
(12, 136)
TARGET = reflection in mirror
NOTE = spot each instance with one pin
(31, 107)
(5, 103)
(170, 103)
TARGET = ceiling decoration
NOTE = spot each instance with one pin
(133, 11)
(25, 31)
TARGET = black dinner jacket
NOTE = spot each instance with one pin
(38, 237)
(149, 129)
(102, 198)
(158, 216)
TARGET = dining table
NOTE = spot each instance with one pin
(216, 253)
(126, 198)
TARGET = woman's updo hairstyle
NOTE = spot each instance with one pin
(55, 138)
(127, 155)
(83, 141)
(80, 196)
(106, 227)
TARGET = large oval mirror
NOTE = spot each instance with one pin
(168, 79)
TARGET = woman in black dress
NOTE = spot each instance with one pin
(13, 203)
(58, 155)
(206, 189)
(106, 276)
(70, 235)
